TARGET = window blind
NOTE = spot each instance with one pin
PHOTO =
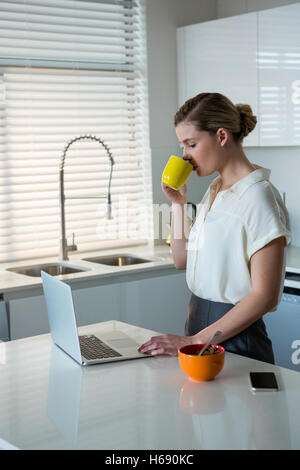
(53, 95)
(71, 33)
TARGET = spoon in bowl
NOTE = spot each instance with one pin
(211, 341)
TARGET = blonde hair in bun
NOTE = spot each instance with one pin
(210, 111)
(248, 120)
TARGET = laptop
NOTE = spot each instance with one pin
(104, 346)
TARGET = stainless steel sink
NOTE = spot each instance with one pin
(55, 269)
(118, 260)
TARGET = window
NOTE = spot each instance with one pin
(70, 68)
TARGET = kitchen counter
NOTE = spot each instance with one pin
(100, 293)
(14, 285)
(48, 401)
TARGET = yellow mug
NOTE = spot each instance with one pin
(176, 172)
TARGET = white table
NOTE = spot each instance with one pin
(48, 401)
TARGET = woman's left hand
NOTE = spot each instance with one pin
(165, 344)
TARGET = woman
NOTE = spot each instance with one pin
(234, 254)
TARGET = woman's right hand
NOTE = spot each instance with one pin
(176, 197)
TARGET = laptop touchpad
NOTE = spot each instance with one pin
(122, 343)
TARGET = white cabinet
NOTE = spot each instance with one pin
(28, 316)
(252, 58)
(158, 303)
(279, 75)
(220, 56)
(97, 304)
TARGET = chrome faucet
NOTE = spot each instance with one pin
(64, 247)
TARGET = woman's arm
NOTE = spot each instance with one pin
(179, 224)
(266, 271)
(179, 235)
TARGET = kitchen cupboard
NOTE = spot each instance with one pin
(28, 316)
(3, 322)
(217, 56)
(252, 58)
(279, 75)
(158, 303)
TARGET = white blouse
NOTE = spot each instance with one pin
(230, 227)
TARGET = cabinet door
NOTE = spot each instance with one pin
(97, 304)
(283, 327)
(28, 317)
(159, 304)
(220, 56)
(279, 75)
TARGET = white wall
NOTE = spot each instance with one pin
(163, 18)
(284, 162)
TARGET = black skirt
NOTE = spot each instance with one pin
(253, 342)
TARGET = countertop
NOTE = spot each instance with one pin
(48, 401)
(14, 285)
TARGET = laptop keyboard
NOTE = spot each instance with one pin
(93, 348)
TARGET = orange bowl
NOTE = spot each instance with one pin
(201, 368)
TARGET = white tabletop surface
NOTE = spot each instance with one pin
(48, 401)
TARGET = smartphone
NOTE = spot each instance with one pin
(263, 382)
